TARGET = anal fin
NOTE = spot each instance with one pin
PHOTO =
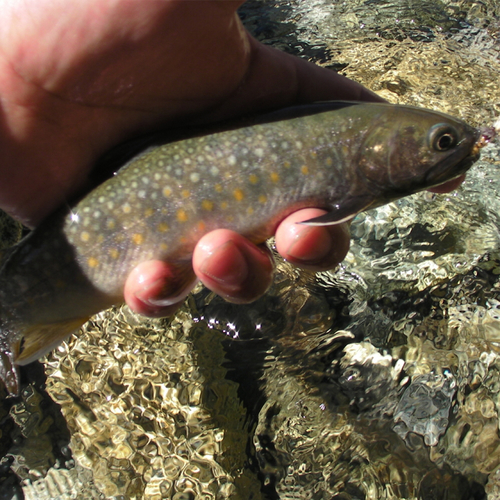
(40, 339)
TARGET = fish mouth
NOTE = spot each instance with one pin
(454, 166)
(440, 175)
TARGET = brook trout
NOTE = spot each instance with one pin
(344, 157)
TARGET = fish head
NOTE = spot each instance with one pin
(408, 149)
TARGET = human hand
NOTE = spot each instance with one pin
(76, 81)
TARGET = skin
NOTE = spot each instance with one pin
(76, 81)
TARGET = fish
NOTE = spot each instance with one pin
(345, 157)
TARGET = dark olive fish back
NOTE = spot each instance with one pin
(344, 157)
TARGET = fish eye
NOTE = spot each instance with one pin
(443, 137)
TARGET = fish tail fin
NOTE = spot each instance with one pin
(9, 371)
(31, 343)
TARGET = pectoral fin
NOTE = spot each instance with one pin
(341, 213)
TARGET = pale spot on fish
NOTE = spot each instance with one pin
(194, 177)
(141, 194)
(259, 152)
(214, 171)
(127, 208)
(114, 253)
(231, 159)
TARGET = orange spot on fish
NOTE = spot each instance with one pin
(138, 239)
(182, 216)
(207, 205)
(275, 176)
(238, 194)
(304, 169)
(92, 262)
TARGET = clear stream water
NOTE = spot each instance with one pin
(380, 380)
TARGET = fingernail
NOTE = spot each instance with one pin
(159, 293)
(227, 266)
(301, 250)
